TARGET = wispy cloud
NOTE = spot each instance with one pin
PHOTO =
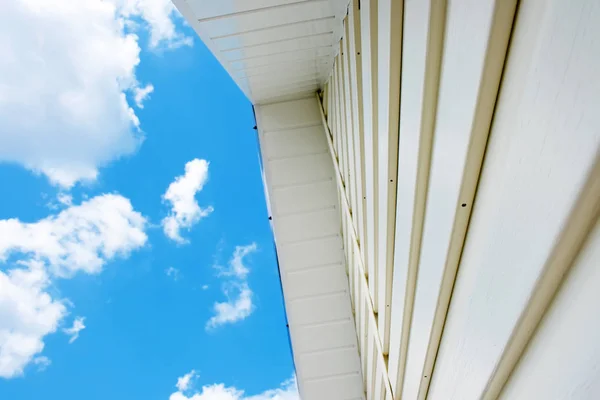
(42, 363)
(77, 327)
(239, 304)
(236, 267)
(181, 195)
(237, 307)
(288, 390)
(185, 382)
(140, 94)
(173, 273)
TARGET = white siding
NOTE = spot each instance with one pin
(544, 140)
(433, 216)
(389, 36)
(557, 365)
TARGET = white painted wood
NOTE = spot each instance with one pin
(563, 359)
(368, 26)
(543, 142)
(388, 82)
(421, 54)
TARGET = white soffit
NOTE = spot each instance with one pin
(306, 222)
(273, 49)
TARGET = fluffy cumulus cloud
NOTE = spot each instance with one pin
(81, 238)
(157, 16)
(181, 195)
(27, 314)
(67, 69)
(74, 330)
(288, 390)
(238, 305)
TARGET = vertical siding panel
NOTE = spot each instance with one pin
(364, 340)
(341, 118)
(368, 24)
(372, 353)
(544, 140)
(336, 106)
(355, 64)
(325, 100)
(378, 391)
(330, 110)
(562, 359)
(349, 132)
(471, 67)
(421, 54)
(388, 63)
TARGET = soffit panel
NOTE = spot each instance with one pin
(272, 38)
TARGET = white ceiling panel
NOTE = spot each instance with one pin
(318, 337)
(279, 32)
(276, 39)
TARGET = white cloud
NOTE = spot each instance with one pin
(65, 199)
(141, 94)
(185, 211)
(42, 363)
(204, 287)
(66, 69)
(236, 308)
(27, 314)
(288, 390)
(173, 273)
(237, 267)
(77, 327)
(184, 382)
(239, 303)
(158, 16)
(79, 238)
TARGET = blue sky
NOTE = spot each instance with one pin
(136, 257)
